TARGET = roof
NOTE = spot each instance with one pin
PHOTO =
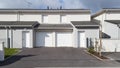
(86, 24)
(45, 10)
(106, 10)
(18, 23)
(55, 26)
(113, 21)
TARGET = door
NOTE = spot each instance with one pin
(64, 39)
(26, 39)
(81, 39)
(44, 39)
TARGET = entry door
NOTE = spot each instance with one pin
(81, 39)
(26, 39)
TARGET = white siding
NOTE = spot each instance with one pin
(44, 18)
(113, 16)
(63, 18)
(30, 17)
(3, 34)
(107, 27)
(17, 38)
(8, 17)
(3, 37)
(91, 33)
(78, 17)
(52, 18)
(111, 30)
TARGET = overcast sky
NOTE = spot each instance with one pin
(94, 5)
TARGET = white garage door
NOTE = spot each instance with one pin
(81, 39)
(44, 39)
(64, 39)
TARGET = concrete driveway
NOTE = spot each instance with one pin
(54, 57)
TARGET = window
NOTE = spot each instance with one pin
(44, 18)
(63, 19)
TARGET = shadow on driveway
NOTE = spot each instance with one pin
(13, 59)
(118, 61)
(113, 55)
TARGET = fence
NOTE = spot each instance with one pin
(108, 45)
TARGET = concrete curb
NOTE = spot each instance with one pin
(13, 55)
(93, 55)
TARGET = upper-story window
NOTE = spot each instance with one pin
(63, 19)
(44, 18)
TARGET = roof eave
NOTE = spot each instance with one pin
(45, 11)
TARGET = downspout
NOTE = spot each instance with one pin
(118, 31)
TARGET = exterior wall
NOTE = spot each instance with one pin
(78, 17)
(14, 37)
(112, 44)
(101, 18)
(119, 33)
(91, 33)
(30, 17)
(113, 16)
(1, 51)
(8, 17)
(53, 18)
(3, 36)
(17, 38)
(109, 28)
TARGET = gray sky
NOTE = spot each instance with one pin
(94, 5)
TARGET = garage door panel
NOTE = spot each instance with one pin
(44, 39)
(64, 39)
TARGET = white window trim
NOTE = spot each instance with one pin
(61, 21)
(43, 21)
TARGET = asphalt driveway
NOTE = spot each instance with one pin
(113, 55)
(55, 57)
